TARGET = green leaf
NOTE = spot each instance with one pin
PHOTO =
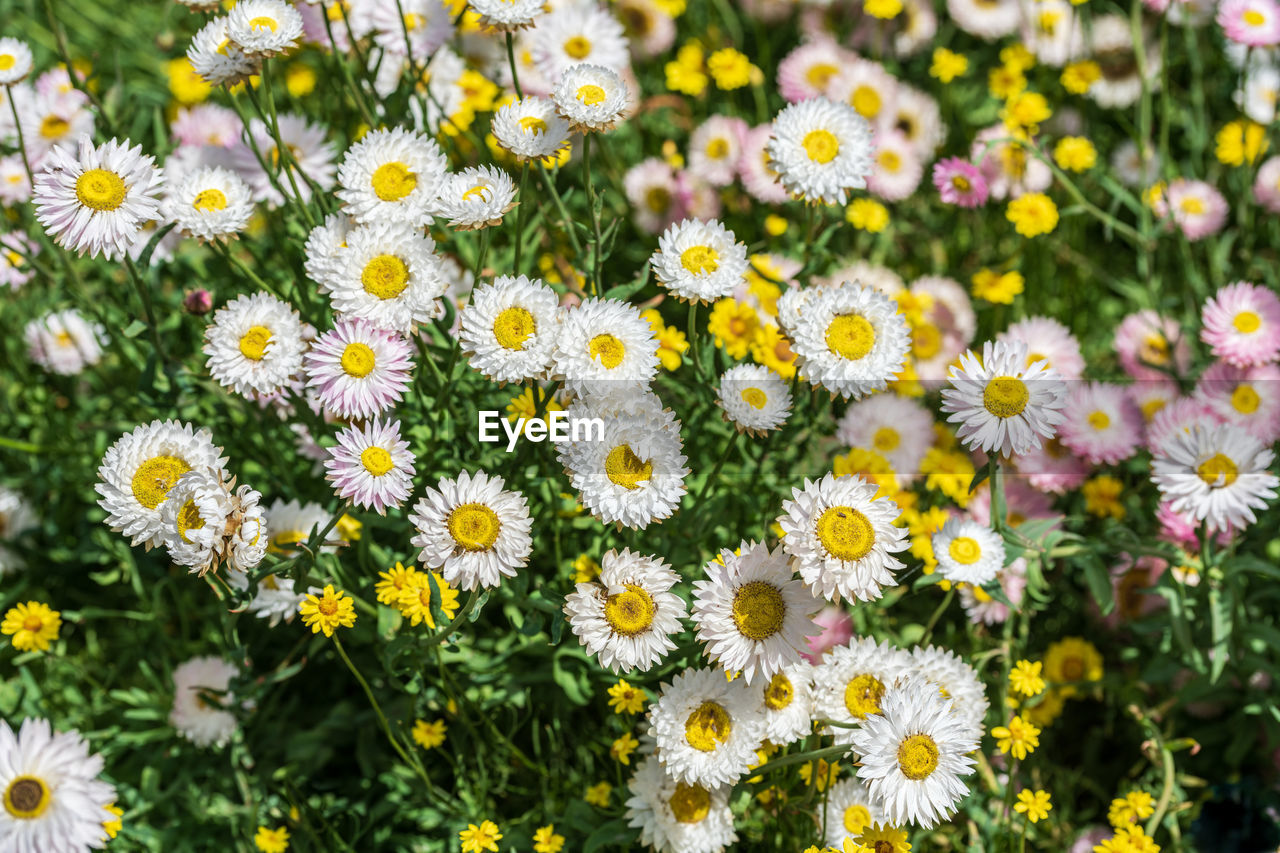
(1099, 583)
(1220, 628)
(615, 833)
(134, 329)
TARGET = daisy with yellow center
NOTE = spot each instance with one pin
(427, 592)
(1018, 738)
(626, 699)
(328, 611)
(33, 626)
(270, 840)
(480, 839)
(429, 735)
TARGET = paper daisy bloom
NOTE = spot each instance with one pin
(959, 182)
(1216, 474)
(851, 680)
(787, 704)
(674, 815)
(53, 798)
(914, 753)
(472, 529)
(754, 398)
(276, 599)
(1255, 23)
(1101, 423)
(391, 176)
(412, 28)
(507, 15)
(328, 611)
(306, 160)
(821, 150)
(96, 200)
(15, 61)
(476, 197)
(849, 812)
(1195, 207)
(201, 700)
(358, 370)
(216, 59)
(626, 617)
(1241, 396)
(590, 97)
(699, 261)
(211, 203)
(194, 517)
(850, 339)
(254, 344)
(326, 250)
(371, 466)
(752, 613)
(15, 517)
(246, 535)
(707, 728)
(842, 537)
(140, 469)
(1146, 342)
(262, 28)
(571, 36)
(715, 149)
(601, 340)
(508, 329)
(1242, 324)
(968, 552)
(64, 342)
(956, 681)
(389, 275)
(1001, 403)
(898, 428)
(530, 128)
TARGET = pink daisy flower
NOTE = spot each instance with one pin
(1047, 340)
(1197, 208)
(807, 71)
(1266, 187)
(1242, 324)
(837, 629)
(1146, 342)
(1255, 23)
(371, 466)
(206, 124)
(1131, 588)
(15, 269)
(1103, 425)
(699, 199)
(754, 169)
(715, 149)
(1010, 171)
(1052, 468)
(1152, 395)
(1182, 529)
(650, 187)
(960, 182)
(1177, 417)
(898, 167)
(359, 370)
(1243, 396)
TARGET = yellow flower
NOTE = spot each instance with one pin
(947, 65)
(1075, 154)
(734, 325)
(1079, 76)
(773, 349)
(1241, 142)
(1018, 738)
(882, 838)
(524, 406)
(1025, 111)
(545, 840)
(429, 735)
(32, 625)
(394, 581)
(479, 92)
(686, 74)
(1034, 804)
(185, 84)
(948, 471)
(1006, 81)
(1044, 712)
(622, 748)
(113, 825)
(1025, 678)
(729, 68)
(477, 839)
(327, 611)
(824, 775)
(349, 528)
(869, 464)
(585, 569)
(415, 599)
(625, 699)
(673, 8)
(1128, 840)
(1131, 808)
(598, 794)
(1018, 56)
(1072, 659)
(671, 341)
(1102, 497)
(998, 289)
(1033, 214)
(775, 225)
(300, 79)
(272, 840)
(885, 10)
(867, 214)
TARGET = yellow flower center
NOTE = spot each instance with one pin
(385, 277)
(699, 260)
(358, 360)
(512, 327)
(926, 341)
(850, 336)
(376, 461)
(631, 611)
(26, 797)
(690, 803)
(412, 20)
(862, 695)
(578, 47)
(1247, 322)
(1005, 396)
(755, 398)
(1218, 470)
(262, 22)
(474, 527)
(779, 693)
(279, 544)
(7, 61)
(533, 124)
(707, 727)
(189, 519)
(210, 199)
(917, 757)
(961, 183)
(327, 606)
(55, 127)
(657, 199)
(590, 94)
(155, 477)
(253, 344)
(856, 819)
(99, 189)
(1193, 206)
(886, 439)
(866, 100)
(1253, 18)
(845, 533)
(479, 191)
(1099, 420)
(33, 623)
(758, 610)
(821, 145)
(1245, 400)
(393, 181)
(608, 349)
(965, 550)
(624, 468)
(889, 161)
(820, 74)
(718, 148)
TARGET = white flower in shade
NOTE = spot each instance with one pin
(699, 261)
(851, 339)
(676, 816)
(968, 552)
(216, 59)
(96, 200)
(473, 530)
(264, 28)
(201, 701)
(602, 341)
(843, 537)
(508, 329)
(787, 704)
(579, 33)
(15, 517)
(194, 518)
(358, 370)
(140, 469)
(1218, 474)
(707, 727)
(821, 150)
(371, 466)
(850, 682)
(849, 811)
(276, 599)
(389, 275)
(476, 197)
(530, 128)
(15, 61)
(290, 522)
(255, 344)
(754, 398)
(1000, 402)
(627, 616)
(247, 537)
(53, 798)
(413, 28)
(64, 342)
(211, 203)
(752, 613)
(956, 681)
(391, 176)
(914, 753)
(307, 165)
(591, 97)
(898, 428)
(325, 250)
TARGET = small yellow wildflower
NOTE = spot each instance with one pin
(1102, 497)
(1077, 77)
(882, 838)
(478, 839)
(1131, 839)
(867, 214)
(1032, 214)
(672, 343)
(686, 74)
(523, 405)
(272, 840)
(1018, 56)
(394, 581)
(947, 65)
(622, 748)
(625, 699)
(1034, 804)
(1072, 659)
(1006, 81)
(729, 68)
(885, 10)
(775, 225)
(1018, 738)
(1131, 808)
(997, 288)
(32, 625)
(1025, 111)
(734, 325)
(429, 735)
(1025, 678)
(300, 79)
(415, 599)
(186, 86)
(824, 775)
(598, 794)
(948, 471)
(349, 528)
(546, 840)
(1075, 154)
(1240, 142)
(327, 611)
(585, 569)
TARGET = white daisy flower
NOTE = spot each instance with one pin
(676, 816)
(358, 370)
(15, 61)
(1218, 474)
(843, 537)
(216, 59)
(473, 530)
(850, 682)
(590, 97)
(413, 28)
(914, 753)
(851, 339)
(211, 203)
(754, 398)
(276, 599)
(578, 33)
(371, 466)
(715, 149)
(140, 469)
(247, 538)
(53, 798)
(752, 612)
(201, 700)
(699, 261)
(986, 19)
(849, 811)
(391, 176)
(290, 522)
(262, 28)
(97, 199)
(601, 341)
(626, 618)
(255, 344)
(707, 728)
(194, 517)
(64, 342)
(821, 150)
(1001, 403)
(898, 428)
(389, 275)
(325, 250)
(787, 704)
(15, 517)
(476, 197)
(507, 15)
(956, 681)
(530, 128)
(508, 329)
(968, 552)
(306, 145)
